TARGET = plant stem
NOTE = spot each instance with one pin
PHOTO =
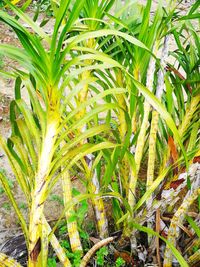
(71, 225)
(124, 166)
(194, 259)
(39, 192)
(154, 126)
(99, 209)
(136, 74)
(57, 247)
(6, 261)
(142, 134)
(179, 216)
(189, 114)
(97, 203)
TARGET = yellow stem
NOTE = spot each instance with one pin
(39, 192)
(99, 209)
(124, 167)
(97, 203)
(71, 225)
(152, 148)
(6, 261)
(176, 220)
(189, 114)
(141, 139)
(136, 74)
(57, 247)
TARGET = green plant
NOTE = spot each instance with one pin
(23, 206)
(195, 249)
(65, 244)
(101, 254)
(75, 258)
(119, 262)
(45, 124)
(82, 208)
(62, 228)
(102, 105)
(6, 206)
(1, 190)
(151, 128)
(1, 3)
(51, 262)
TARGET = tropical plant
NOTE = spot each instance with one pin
(40, 146)
(105, 104)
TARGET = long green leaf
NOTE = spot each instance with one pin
(163, 113)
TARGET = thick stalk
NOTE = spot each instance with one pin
(124, 167)
(193, 136)
(141, 136)
(154, 128)
(136, 75)
(138, 155)
(56, 246)
(152, 149)
(151, 165)
(122, 105)
(139, 151)
(155, 117)
(179, 216)
(194, 259)
(44, 242)
(83, 94)
(97, 203)
(60, 253)
(6, 261)
(71, 225)
(39, 192)
(99, 209)
(189, 114)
